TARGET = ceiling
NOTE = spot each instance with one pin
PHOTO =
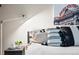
(9, 11)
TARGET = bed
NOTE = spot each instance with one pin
(37, 48)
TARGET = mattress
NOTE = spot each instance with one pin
(38, 49)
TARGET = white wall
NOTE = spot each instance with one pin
(38, 17)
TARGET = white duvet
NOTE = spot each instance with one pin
(38, 49)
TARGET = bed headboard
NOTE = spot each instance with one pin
(28, 38)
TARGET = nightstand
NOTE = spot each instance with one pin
(19, 51)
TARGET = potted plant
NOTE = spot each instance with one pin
(18, 43)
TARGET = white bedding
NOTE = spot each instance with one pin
(38, 49)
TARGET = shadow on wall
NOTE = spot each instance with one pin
(15, 30)
(0, 40)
